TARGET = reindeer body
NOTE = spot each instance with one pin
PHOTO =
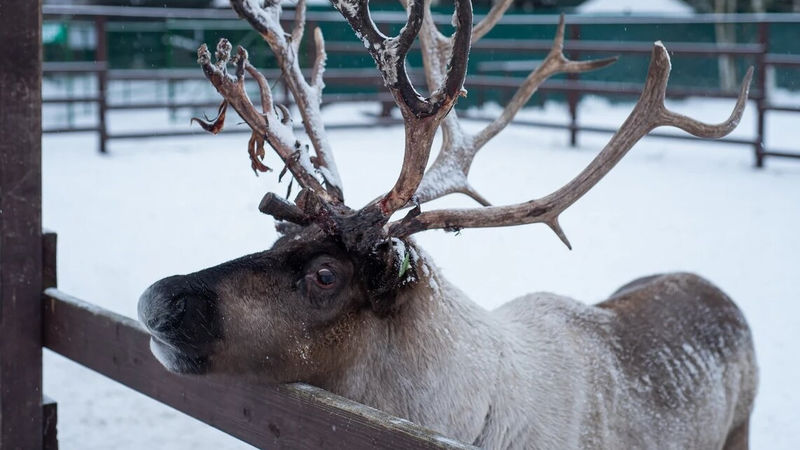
(345, 301)
(666, 362)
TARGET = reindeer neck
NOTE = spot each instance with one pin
(437, 331)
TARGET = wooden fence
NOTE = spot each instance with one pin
(35, 314)
(574, 87)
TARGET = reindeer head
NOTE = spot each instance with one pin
(285, 314)
(305, 308)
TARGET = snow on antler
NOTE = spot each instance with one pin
(422, 116)
(445, 60)
(308, 96)
(267, 126)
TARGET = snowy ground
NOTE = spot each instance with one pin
(163, 206)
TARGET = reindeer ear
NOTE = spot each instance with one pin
(386, 271)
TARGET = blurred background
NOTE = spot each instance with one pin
(107, 58)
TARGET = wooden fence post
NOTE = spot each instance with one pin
(21, 225)
(101, 56)
(761, 86)
(573, 97)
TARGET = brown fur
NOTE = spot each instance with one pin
(699, 330)
(738, 438)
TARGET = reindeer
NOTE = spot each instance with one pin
(346, 299)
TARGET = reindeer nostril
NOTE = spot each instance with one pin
(168, 316)
(180, 311)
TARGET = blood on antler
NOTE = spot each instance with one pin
(445, 61)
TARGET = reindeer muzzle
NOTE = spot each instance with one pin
(180, 313)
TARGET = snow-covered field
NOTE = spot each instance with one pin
(157, 207)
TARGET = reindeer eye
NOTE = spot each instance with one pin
(325, 278)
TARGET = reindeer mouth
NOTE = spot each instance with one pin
(176, 360)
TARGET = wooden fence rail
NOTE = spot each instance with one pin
(574, 86)
(293, 416)
(286, 416)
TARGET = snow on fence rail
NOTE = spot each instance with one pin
(573, 86)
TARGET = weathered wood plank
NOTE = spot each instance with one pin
(291, 416)
(50, 424)
(20, 225)
(49, 256)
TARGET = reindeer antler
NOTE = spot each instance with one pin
(266, 125)
(448, 173)
(421, 115)
(648, 114)
(445, 60)
(266, 20)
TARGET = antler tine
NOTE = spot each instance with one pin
(390, 53)
(436, 51)
(263, 86)
(448, 173)
(554, 63)
(421, 115)
(299, 25)
(319, 61)
(266, 20)
(494, 15)
(267, 126)
(648, 114)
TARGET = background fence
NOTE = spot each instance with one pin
(499, 63)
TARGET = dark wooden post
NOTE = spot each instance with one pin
(761, 82)
(21, 224)
(101, 57)
(573, 96)
(49, 280)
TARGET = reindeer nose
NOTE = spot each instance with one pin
(166, 317)
(179, 310)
